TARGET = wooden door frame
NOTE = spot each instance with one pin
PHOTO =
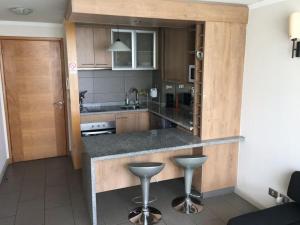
(63, 71)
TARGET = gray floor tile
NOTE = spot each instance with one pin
(16, 170)
(57, 163)
(78, 202)
(114, 207)
(10, 201)
(33, 189)
(81, 216)
(10, 186)
(56, 177)
(30, 213)
(221, 208)
(203, 217)
(213, 222)
(171, 217)
(239, 203)
(57, 196)
(75, 181)
(35, 170)
(7, 221)
(59, 215)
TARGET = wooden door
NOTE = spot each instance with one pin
(34, 91)
(175, 57)
(102, 40)
(85, 46)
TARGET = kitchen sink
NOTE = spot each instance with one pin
(93, 109)
(130, 107)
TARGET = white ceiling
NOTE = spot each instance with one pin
(245, 2)
(52, 11)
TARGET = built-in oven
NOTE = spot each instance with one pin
(98, 128)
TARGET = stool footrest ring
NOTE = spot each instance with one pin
(139, 199)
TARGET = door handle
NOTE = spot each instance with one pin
(59, 103)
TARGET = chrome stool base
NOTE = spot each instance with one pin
(186, 205)
(138, 217)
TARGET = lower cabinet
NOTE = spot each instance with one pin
(131, 122)
(126, 122)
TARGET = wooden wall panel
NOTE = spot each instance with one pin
(223, 77)
(107, 170)
(73, 94)
(221, 102)
(154, 11)
(220, 169)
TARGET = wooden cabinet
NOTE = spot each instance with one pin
(132, 122)
(126, 122)
(102, 40)
(143, 121)
(175, 55)
(91, 118)
(85, 46)
(92, 44)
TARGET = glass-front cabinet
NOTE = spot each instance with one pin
(142, 54)
(123, 60)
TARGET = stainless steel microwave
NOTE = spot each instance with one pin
(191, 73)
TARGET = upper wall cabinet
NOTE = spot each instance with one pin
(178, 53)
(92, 44)
(143, 46)
(175, 55)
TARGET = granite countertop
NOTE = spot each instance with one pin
(113, 108)
(105, 147)
(181, 117)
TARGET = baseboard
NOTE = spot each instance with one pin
(219, 192)
(3, 170)
(243, 195)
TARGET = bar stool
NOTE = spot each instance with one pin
(145, 215)
(188, 204)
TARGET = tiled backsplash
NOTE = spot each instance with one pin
(107, 86)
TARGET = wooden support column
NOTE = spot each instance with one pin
(221, 102)
(73, 94)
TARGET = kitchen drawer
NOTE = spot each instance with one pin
(97, 117)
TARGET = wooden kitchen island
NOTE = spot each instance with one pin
(105, 158)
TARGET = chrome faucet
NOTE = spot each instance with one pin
(81, 98)
(136, 91)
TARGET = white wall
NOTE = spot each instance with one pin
(31, 29)
(23, 29)
(271, 105)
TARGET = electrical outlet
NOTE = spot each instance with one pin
(285, 199)
(273, 193)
